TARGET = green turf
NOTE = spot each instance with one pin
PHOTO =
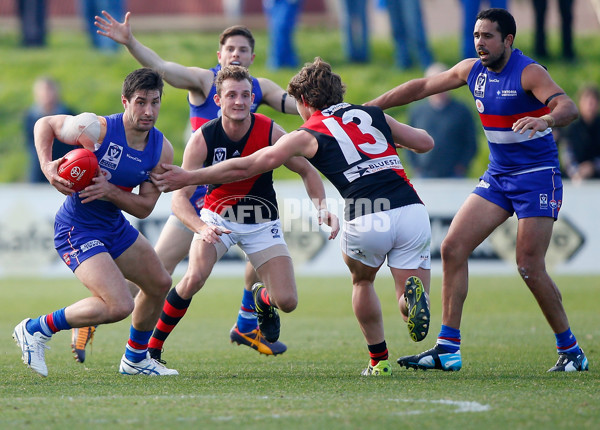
(507, 348)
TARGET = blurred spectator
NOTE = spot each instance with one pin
(409, 34)
(32, 14)
(46, 101)
(470, 10)
(282, 17)
(580, 141)
(356, 30)
(451, 125)
(565, 8)
(89, 9)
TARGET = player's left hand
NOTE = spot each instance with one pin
(529, 123)
(99, 188)
(172, 179)
(331, 220)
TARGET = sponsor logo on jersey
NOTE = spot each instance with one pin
(131, 157)
(507, 93)
(112, 157)
(369, 167)
(479, 90)
(333, 109)
(66, 258)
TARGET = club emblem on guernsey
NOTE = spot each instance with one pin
(112, 157)
(479, 90)
(219, 155)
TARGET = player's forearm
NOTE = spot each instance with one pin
(138, 205)
(315, 190)
(398, 96)
(144, 55)
(562, 115)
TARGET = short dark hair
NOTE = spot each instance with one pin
(236, 30)
(144, 79)
(502, 17)
(317, 83)
(237, 73)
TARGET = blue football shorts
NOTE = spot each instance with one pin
(76, 244)
(532, 194)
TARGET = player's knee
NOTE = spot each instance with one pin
(528, 267)
(121, 310)
(451, 251)
(190, 284)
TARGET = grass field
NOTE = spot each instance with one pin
(507, 348)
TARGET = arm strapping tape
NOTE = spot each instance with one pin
(85, 124)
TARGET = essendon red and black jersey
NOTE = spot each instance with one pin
(251, 200)
(357, 154)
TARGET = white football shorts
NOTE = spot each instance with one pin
(253, 239)
(402, 235)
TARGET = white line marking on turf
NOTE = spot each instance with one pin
(461, 406)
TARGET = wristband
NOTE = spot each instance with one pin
(549, 120)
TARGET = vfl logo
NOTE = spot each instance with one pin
(112, 157)
(275, 233)
(219, 155)
(543, 201)
(479, 90)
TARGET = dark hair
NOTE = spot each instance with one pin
(319, 86)
(236, 30)
(506, 22)
(144, 79)
(237, 73)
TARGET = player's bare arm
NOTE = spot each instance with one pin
(537, 81)
(418, 89)
(405, 136)
(193, 158)
(277, 97)
(231, 170)
(196, 80)
(85, 129)
(315, 190)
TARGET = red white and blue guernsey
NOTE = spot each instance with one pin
(201, 114)
(252, 200)
(501, 100)
(356, 152)
(123, 166)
